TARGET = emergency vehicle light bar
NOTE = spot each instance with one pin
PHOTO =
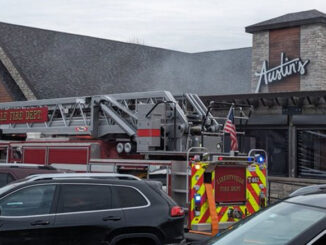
(235, 159)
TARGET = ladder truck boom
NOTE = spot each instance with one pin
(150, 120)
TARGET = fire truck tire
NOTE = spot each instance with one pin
(136, 239)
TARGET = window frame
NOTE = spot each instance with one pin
(53, 205)
(78, 212)
(142, 194)
(8, 175)
(5, 148)
(315, 239)
(55, 202)
(100, 210)
(305, 128)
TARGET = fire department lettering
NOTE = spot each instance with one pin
(30, 115)
(34, 114)
(229, 188)
(230, 177)
(3, 116)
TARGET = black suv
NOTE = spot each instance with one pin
(70, 209)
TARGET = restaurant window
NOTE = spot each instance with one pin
(311, 153)
(274, 142)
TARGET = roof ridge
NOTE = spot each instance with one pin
(311, 16)
(89, 36)
(221, 50)
(16, 75)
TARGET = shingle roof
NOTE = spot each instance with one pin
(289, 20)
(56, 64)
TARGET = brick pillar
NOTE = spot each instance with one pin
(4, 95)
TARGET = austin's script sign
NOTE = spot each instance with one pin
(285, 69)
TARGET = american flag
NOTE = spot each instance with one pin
(229, 127)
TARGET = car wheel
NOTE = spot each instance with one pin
(137, 241)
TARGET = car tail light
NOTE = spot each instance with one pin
(177, 211)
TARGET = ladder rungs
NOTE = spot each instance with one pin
(179, 190)
(180, 173)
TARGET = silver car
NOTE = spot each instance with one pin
(297, 220)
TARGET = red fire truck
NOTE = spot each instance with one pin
(154, 135)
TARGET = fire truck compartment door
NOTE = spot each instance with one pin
(73, 155)
(230, 184)
(34, 155)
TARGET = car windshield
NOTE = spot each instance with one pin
(278, 224)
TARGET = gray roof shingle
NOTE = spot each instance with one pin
(56, 64)
(289, 20)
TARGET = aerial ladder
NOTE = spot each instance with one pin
(142, 118)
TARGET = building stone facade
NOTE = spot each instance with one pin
(313, 47)
(297, 35)
(260, 53)
(280, 188)
(297, 95)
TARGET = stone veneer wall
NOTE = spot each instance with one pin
(313, 47)
(281, 187)
(260, 53)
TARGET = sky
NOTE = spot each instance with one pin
(183, 25)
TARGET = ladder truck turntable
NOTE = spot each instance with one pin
(148, 134)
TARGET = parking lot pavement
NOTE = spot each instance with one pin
(195, 238)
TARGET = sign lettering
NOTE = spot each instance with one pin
(253, 179)
(285, 69)
(18, 116)
(231, 178)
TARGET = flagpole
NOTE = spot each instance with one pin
(229, 113)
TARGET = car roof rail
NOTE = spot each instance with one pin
(36, 177)
(311, 189)
(31, 165)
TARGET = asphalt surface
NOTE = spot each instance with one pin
(195, 238)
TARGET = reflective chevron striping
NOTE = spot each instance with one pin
(249, 206)
(222, 214)
(253, 191)
(262, 175)
(253, 199)
(204, 213)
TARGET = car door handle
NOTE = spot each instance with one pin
(40, 222)
(112, 218)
